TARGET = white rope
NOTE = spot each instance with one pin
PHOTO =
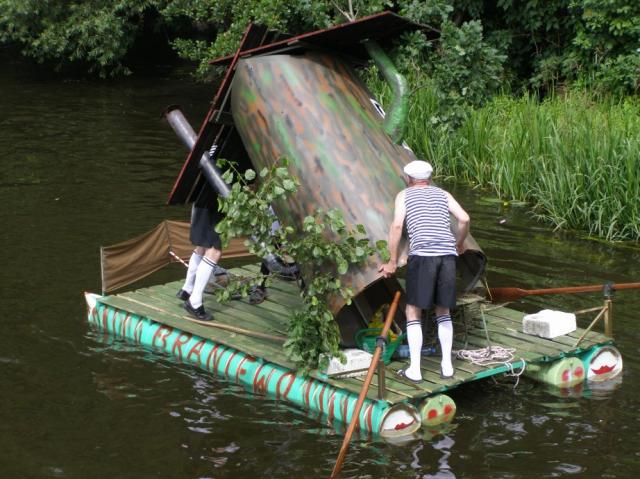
(516, 374)
(178, 258)
(487, 356)
(493, 356)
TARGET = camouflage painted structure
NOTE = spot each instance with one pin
(314, 110)
(308, 104)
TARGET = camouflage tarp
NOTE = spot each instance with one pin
(131, 260)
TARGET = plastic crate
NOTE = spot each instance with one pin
(366, 340)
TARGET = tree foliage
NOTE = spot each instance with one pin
(323, 244)
(594, 43)
(513, 43)
(95, 33)
(606, 46)
(225, 21)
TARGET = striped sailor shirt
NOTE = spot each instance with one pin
(428, 222)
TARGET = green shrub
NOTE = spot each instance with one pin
(93, 33)
(575, 159)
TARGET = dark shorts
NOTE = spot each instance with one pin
(202, 231)
(431, 281)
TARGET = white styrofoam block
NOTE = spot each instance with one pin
(549, 323)
(357, 360)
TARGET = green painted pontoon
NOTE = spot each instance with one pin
(154, 318)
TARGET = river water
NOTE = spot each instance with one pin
(89, 163)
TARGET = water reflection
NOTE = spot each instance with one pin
(444, 447)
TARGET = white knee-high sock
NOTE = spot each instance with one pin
(194, 261)
(414, 338)
(203, 273)
(445, 335)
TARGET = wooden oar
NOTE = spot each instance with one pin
(365, 387)
(511, 294)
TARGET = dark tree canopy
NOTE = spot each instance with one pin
(519, 44)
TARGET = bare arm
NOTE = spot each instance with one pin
(463, 221)
(395, 233)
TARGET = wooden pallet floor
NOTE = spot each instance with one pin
(159, 304)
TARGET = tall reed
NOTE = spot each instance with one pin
(574, 158)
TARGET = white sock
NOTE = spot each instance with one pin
(445, 335)
(203, 273)
(414, 338)
(194, 261)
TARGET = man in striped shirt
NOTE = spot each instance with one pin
(431, 267)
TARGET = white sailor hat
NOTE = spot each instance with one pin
(419, 170)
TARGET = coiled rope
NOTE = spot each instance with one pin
(487, 356)
(492, 355)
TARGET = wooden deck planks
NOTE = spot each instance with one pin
(226, 338)
(510, 316)
(271, 317)
(274, 307)
(224, 314)
(176, 317)
(510, 339)
(516, 317)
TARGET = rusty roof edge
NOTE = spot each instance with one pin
(192, 157)
(305, 36)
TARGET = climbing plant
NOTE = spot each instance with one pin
(323, 245)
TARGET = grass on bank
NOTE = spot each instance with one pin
(574, 158)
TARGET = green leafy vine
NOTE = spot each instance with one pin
(323, 244)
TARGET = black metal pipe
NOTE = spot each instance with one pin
(176, 119)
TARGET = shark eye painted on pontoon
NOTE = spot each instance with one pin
(573, 373)
(437, 410)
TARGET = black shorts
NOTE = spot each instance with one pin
(202, 231)
(431, 280)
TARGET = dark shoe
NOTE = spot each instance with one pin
(442, 376)
(183, 295)
(216, 282)
(219, 271)
(402, 373)
(211, 287)
(199, 313)
(257, 295)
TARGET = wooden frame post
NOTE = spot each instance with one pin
(608, 306)
(608, 317)
(382, 388)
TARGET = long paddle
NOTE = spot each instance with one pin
(511, 294)
(365, 387)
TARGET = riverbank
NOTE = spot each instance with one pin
(574, 159)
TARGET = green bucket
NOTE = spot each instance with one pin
(366, 340)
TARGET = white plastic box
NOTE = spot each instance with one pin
(358, 361)
(548, 323)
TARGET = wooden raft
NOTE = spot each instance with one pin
(504, 325)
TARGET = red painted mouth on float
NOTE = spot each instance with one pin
(603, 370)
(403, 425)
